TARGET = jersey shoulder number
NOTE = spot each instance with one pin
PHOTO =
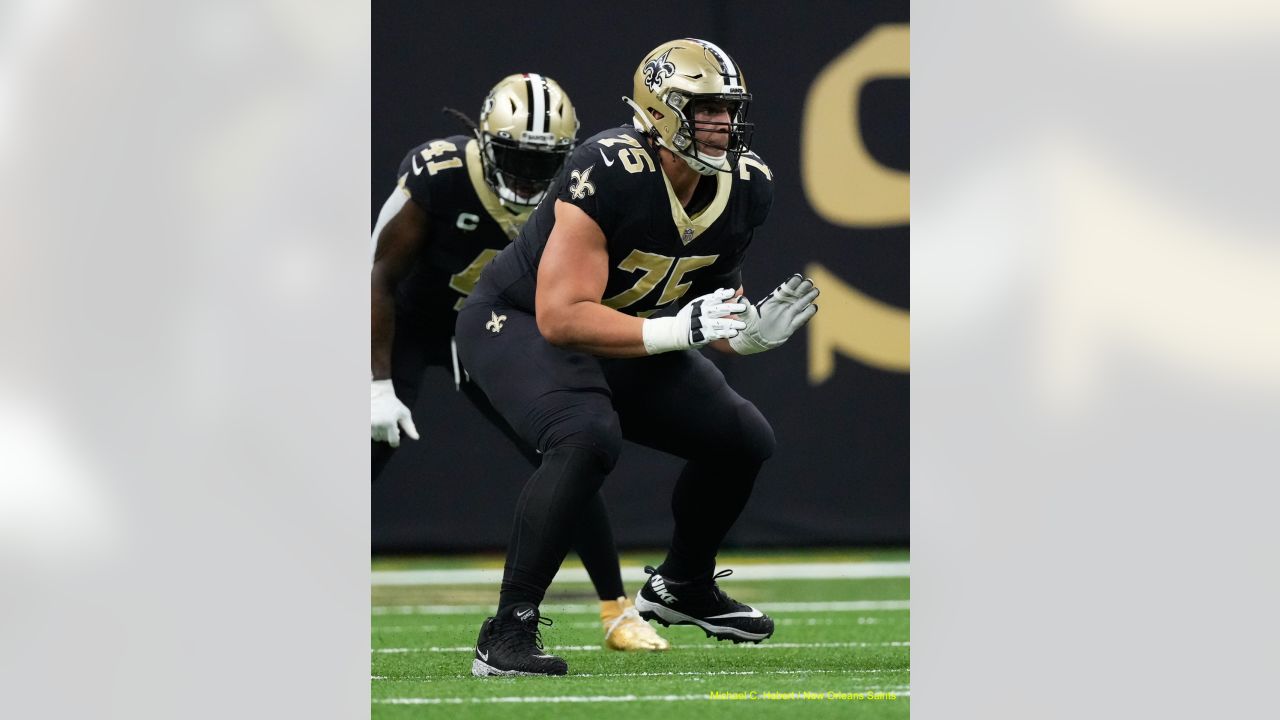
(429, 162)
(758, 179)
(604, 174)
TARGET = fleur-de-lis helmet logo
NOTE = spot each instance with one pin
(657, 69)
(581, 185)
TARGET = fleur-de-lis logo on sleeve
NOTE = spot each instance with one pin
(581, 185)
(495, 322)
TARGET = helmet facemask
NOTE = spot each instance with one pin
(520, 171)
(527, 129)
(709, 156)
(670, 85)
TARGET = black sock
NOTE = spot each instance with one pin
(708, 498)
(547, 515)
(594, 545)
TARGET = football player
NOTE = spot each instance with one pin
(586, 330)
(460, 200)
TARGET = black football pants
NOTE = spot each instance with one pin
(412, 352)
(577, 409)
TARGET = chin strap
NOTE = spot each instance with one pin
(711, 165)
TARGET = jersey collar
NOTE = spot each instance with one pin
(690, 228)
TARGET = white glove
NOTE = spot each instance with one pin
(387, 414)
(778, 315)
(704, 319)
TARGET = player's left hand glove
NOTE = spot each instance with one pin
(771, 322)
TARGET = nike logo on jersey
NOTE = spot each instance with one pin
(660, 586)
(417, 169)
(483, 655)
(607, 161)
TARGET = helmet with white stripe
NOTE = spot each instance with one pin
(674, 82)
(527, 128)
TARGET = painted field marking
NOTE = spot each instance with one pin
(587, 625)
(660, 674)
(899, 691)
(585, 609)
(765, 571)
(701, 646)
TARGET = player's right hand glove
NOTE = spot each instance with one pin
(778, 315)
(704, 319)
(387, 414)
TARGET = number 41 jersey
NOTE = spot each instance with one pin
(660, 256)
(467, 228)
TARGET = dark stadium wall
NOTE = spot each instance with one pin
(831, 108)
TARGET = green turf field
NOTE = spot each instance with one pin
(833, 638)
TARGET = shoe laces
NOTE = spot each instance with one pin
(714, 586)
(628, 615)
(520, 635)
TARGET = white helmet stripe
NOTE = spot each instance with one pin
(731, 69)
(538, 109)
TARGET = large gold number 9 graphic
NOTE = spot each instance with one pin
(847, 187)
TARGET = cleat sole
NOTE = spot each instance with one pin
(667, 617)
(479, 668)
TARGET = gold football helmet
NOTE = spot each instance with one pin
(527, 128)
(676, 79)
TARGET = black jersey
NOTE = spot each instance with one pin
(468, 226)
(658, 254)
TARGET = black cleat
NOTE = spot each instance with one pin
(511, 644)
(704, 604)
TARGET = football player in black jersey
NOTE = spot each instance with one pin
(458, 202)
(585, 330)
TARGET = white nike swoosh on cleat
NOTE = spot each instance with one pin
(483, 655)
(753, 614)
(674, 617)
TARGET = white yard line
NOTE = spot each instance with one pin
(699, 673)
(545, 699)
(767, 571)
(700, 646)
(900, 692)
(587, 625)
(585, 609)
